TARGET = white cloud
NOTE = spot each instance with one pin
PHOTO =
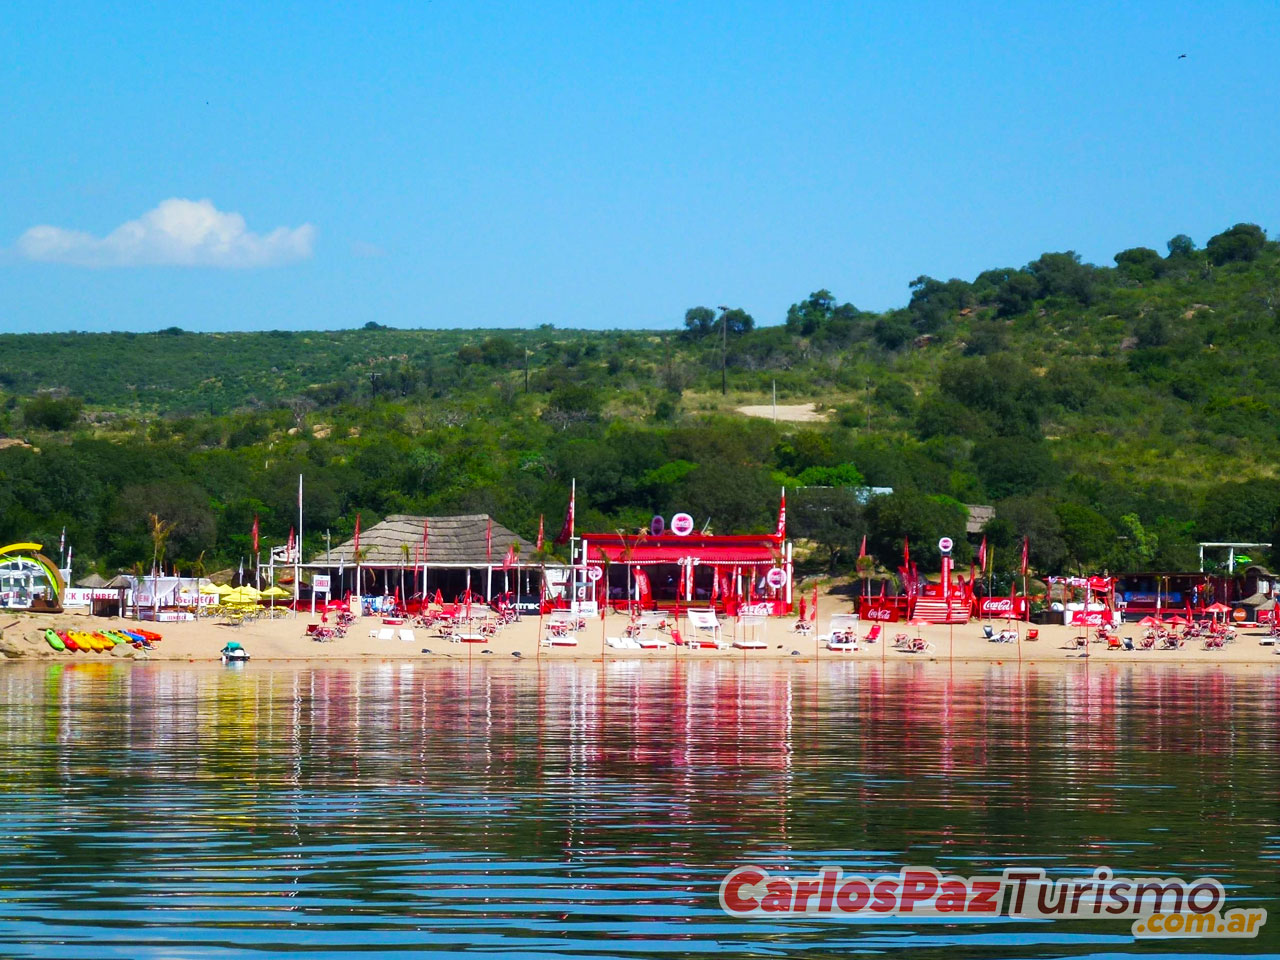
(184, 233)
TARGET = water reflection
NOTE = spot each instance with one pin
(590, 809)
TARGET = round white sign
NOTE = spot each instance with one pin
(945, 545)
(682, 524)
(776, 577)
(594, 574)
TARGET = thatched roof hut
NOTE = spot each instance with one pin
(451, 542)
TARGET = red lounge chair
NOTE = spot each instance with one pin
(873, 634)
(1033, 634)
(1113, 642)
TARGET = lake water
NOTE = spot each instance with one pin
(574, 810)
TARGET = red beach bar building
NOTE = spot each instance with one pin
(735, 574)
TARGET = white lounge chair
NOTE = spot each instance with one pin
(704, 629)
(843, 633)
(622, 643)
(748, 635)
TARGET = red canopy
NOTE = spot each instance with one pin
(747, 551)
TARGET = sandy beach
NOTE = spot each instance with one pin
(284, 639)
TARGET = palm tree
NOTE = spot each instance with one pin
(160, 531)
(197, 571)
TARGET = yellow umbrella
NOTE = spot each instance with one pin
(242, 595)
(222, 589)
(276, 592)
(212, 588)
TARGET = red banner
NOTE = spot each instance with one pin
(878, 612)
(1091, 618)
(1006, 607)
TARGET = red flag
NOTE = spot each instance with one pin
(566, 532)
(355, 547)
(715, 584)
(906, 552)
(982, 555)
(439, 597)
(883, 584)
(1025, 544)
(782, 516)
(538, 545)
(289, 551)
(642, 585)
(862, 551)
(488, 540)
(509, 560)
(255, 533)
(813, 612)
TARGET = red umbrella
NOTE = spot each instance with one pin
(1148, 621)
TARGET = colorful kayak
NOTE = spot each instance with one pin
(54, 640)
(69, 641)
(96, 644)
(147, 635)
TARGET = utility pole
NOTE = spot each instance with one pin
(724, 351)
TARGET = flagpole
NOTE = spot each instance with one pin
(297, 560)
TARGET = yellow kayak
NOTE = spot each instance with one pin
(95, 641)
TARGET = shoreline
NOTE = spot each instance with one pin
(284, 641)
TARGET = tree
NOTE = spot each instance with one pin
(810, 315)
(1063, 275)
(1242, 242)
(699, 322)
(1140, 264)
(1088, 535)
(923, 519)
(831, 518)
(47, 412)
(1017, 294)
(1036, 519)
(738, 322)
(1181, 247)
(1010, 466)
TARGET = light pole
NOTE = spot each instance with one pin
(724, 350)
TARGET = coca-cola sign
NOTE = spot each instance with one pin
(880, 614)
(1091, 618)
(1002, 607)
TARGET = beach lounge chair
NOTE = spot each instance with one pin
(917, 645)
(749, 634)
(705, 629)
(566, 640)
(1128, 643)
(873, 635)
(843, 626)
(901, 641)
(1170, 642)
(1033, 633)
(987, 631)
(1113, 642)
(1214, 643)
(622, 643)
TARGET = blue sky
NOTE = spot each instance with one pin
(471, 164)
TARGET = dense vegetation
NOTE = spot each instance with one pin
(1115, 415)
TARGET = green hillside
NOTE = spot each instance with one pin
(1115, 415)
